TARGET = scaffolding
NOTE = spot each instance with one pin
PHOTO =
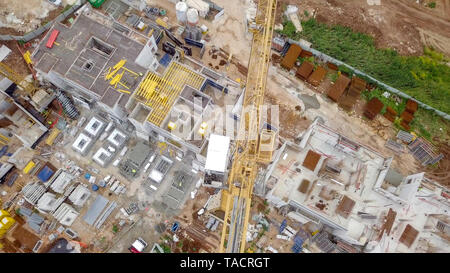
(160, 93)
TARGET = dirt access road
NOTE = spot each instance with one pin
(400, 24)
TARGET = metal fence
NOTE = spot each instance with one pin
(391, 89)
(35, 33)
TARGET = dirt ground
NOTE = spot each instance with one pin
(400, 24)
(25, 15)
(15, 59)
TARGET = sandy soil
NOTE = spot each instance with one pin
(400, 24)
(229, 31)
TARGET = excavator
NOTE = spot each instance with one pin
(236, 198)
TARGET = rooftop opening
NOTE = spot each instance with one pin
(88, 65)
(100, 47)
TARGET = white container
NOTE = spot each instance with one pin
(204, 29)
(111, 181)
(92, 180)
(119, 189)
(116, 163)
(103, 136)
(106, 179)
(110, 125)
(180, 10)
(114, 186)
(193, 193)
(147, 166)
(199, 183)
(124, 150)
(192, 17)
(286, 238)
(152, 158)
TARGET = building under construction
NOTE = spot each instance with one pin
(329, 182)
(98, 60)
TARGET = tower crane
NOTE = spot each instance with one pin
(9, 73)
(236, 199)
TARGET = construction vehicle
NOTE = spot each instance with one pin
(236, 199)
(138, 246)
(203, 209)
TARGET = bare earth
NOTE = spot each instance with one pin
(400, 24)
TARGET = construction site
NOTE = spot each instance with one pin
(195, 127)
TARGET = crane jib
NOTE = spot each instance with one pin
(245, 161)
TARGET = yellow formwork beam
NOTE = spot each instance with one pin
(4, 137)
(116, 79)
(120, 64)
(124, 91)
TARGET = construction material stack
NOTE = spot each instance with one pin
(373, 108)
(291, 56)
(317, 76)
(337, 89)
(353, 93)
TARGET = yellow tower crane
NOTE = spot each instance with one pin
(236, 199)
(9, 73)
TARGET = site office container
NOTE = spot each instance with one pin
(317, 76)
(338, 88)
(305, 70)
(96, 3)
(291, 56)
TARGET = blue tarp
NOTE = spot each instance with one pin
(283, 225)
(298, 243)
(194, 43)
(175, 226)
(3, 150)
(165, 60)
(45, 174)
(12, 179)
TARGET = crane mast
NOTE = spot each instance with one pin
(237, 197)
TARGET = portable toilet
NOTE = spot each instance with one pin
(102, 183)
(29, 167)
(175, 226)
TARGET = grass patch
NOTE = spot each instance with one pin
(393, 101)
(165, 248)
(431, 5)
(332, 76)
(66, 8)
